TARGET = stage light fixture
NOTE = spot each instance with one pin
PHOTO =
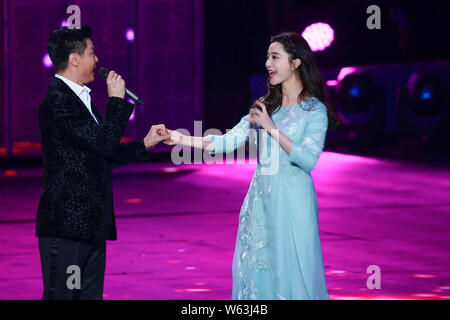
(355, 93)
(319, 36)
(427, 94)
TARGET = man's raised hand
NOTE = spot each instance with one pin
(155, 135)
(116, 85)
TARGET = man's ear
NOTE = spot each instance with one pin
(74, 59)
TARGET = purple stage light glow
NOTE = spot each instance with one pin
(319, 36)
(130, 35)
(63, 23)
(132, 117)
(332, 83)
(345, 72)
(46, 61)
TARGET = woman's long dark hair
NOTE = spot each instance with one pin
(297, 48)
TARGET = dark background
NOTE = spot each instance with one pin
(237, 35)
(193, 60)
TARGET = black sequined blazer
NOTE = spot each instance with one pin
(78, 156)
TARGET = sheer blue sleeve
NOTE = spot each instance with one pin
(233, 139)
(306, 152)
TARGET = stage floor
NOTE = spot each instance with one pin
(177, 227)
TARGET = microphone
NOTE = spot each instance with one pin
(103, 72)
(254, 105)
(256, 127)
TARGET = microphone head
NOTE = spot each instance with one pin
(103, 72)
(254, 105)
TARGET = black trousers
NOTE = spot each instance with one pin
(72, 270)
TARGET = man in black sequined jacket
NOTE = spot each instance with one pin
(76, 214)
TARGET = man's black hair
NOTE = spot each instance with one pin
(64, 41)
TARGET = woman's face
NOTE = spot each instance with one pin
(277, 64)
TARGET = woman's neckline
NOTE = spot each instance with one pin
(283, 107)
(289, 107)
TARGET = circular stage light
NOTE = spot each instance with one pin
(130, 35)
(355, 93)
(427, 92)
(319, 36)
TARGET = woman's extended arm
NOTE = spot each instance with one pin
(225, 143)
(189, 141)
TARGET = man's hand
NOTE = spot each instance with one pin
(155, 135)
(116, 85)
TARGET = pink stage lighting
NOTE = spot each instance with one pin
(132, 117)
(130, 35)
(46, 61)
(346, 71)
(332, 83)
(319, 36)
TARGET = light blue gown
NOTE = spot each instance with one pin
(278, 254)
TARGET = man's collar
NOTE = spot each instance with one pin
(74, 86)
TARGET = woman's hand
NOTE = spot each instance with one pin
(261, 118)
(175, 138)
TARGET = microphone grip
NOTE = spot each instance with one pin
(133, 96)
(257, 128)
(254, 105)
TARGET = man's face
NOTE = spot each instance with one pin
(87, 63)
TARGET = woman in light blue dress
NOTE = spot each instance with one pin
(278, 253)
